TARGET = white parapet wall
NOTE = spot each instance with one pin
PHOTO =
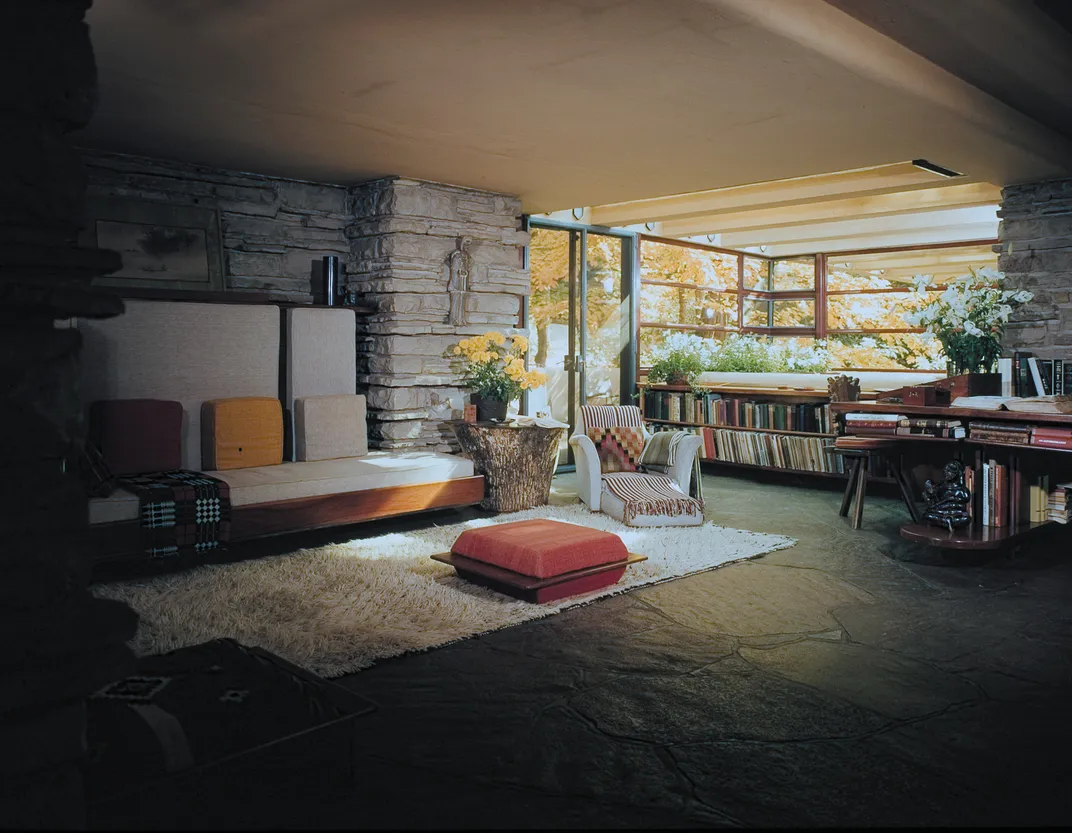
(871, 381)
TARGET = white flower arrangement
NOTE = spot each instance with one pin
(748, 354)
(969, 317)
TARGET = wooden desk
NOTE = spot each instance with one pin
(976, 536)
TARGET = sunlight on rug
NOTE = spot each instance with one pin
(339, 608)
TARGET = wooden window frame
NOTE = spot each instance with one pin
(820, 293)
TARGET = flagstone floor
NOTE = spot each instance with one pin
(854, 679)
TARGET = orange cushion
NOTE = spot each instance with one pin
(540, 548)
(241, 433)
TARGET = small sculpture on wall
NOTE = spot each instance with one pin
(843, 388)
(948, 500)
(459, 262)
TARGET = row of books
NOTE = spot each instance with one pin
(1002, 494)
(1026, 375)
(1006, 433)
(757, 449)
(902, 426)
(715, 409)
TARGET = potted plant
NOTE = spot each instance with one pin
(969, 318)
(495, 371)
(679, 361)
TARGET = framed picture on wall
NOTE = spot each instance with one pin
(174, 247)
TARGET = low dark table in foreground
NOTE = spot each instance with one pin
(217, 733)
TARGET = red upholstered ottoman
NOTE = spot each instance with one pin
(539, 560)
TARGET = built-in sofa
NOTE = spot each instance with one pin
(199, 352)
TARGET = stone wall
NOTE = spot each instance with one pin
(273, 232)
(401, 236)
(1036, 254)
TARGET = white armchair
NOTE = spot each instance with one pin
(635, 498)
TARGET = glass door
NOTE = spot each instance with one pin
(578, 320)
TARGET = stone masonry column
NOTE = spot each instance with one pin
(60, 644)
(1035, 253)
(401, 237)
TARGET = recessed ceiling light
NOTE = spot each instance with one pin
(923, 164)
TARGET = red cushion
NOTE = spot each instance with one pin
(540, 548)
(137, 436)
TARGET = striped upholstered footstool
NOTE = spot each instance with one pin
(539, 560)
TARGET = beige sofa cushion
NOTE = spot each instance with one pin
(325, 477)
(327, 427)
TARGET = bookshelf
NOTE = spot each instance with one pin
(742, 427)
(1023, 463)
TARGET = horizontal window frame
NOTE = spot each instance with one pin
(869, 331)
(659, 325)
(692, 286)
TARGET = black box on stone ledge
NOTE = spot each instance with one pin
(217, 734)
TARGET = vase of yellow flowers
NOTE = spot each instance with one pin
(495, 371)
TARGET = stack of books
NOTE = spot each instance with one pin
(1006, 433)
(1058, 503)
(1051, 436)
(873, 425)
(918, 427)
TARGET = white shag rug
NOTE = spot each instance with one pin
(339, 608)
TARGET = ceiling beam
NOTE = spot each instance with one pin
(885, 205)
(949, 218)
(831, 32)
(883, 179)
(950, 234)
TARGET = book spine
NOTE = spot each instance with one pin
(1017, 371)
(1058, 377)
(1001, 479)
(912, 422)
(1026, 386)
(1050, 431)
(1014, 492)
(986, 494)
(1000, 437)
(1052, 442)
(1006, 427)
(1036, 376)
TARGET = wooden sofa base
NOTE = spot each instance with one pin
(115, 540)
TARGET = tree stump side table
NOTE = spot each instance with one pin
(517, 462)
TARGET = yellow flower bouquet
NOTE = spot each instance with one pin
(495, 368)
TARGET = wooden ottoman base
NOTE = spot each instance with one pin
(538, 590)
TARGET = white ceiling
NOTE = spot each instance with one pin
(563, 102)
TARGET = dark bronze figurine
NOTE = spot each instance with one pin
(947, 501)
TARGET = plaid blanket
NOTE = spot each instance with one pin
(660, 454)
(181, 512)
